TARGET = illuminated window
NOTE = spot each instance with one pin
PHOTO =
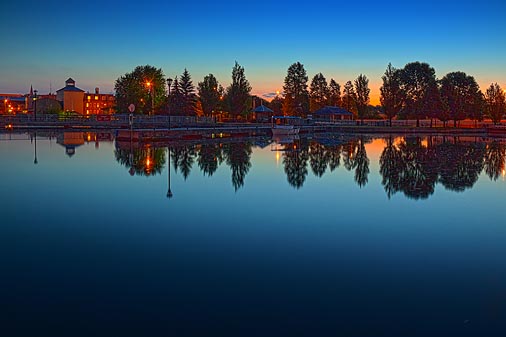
(89, 97)
(96, 98)
(87, 105)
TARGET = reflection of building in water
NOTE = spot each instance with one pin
(70, 140)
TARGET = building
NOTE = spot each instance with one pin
(12, 103)
(332, 114)
(98, 103)
(72, 97)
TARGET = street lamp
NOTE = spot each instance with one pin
(169, 83)
(151, 87)
(35, 104)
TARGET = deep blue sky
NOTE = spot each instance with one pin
(96, 42)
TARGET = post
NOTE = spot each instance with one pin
(35, 105)
(169, 83)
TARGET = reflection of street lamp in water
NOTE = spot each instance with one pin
(35, 161)
(169, 192)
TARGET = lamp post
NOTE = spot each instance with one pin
(169, 84)
(151, 87)
(35, 104)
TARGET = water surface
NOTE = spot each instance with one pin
(324, 236)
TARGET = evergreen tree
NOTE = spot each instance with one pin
(319, 95)
(209, 92)
(238, 93)
(349, 98)
(334, 93)
(188, 94)
(362, 96)
(391, 95)
(495, 102)
(296, 87)
(176, 99)
(277, 105)
(288, 106)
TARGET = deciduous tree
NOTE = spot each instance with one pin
(495, 102)
(362, 96)
(132, 88)
(391, 95)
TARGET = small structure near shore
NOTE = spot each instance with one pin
(332, 114)
(262, 113)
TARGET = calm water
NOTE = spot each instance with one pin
(329, 236)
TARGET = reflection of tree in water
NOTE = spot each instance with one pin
(361, 164)
(183, 158)
(415, 169)
(209, 158)
(459, 164)
(146, 161)
(295, 164)
(334, 156)
(238, 157)
(418, 175)
(391, 168)
(349, 152)
(318, 158)
(494, 160)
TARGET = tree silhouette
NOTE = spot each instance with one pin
(238, 93)
(295, 87)
(391, 168)
(210, 92)
(146, 161)
(391, 94)
(183, 158)
(132, 88)
(362, 96)
(416, 80)
(209, 158)
(459, 164)
(238, 157)
(495, 102)
(318, 158)
(361, 165)
(319, 94)
(295, 165)
(494, 160)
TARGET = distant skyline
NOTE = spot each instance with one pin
(96, 42)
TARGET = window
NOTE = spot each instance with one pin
(96, 98)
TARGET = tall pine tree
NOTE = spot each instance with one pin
(334, 93)
(296, 87)
(238, 93)
(319, 95)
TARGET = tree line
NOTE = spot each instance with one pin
(411, 92)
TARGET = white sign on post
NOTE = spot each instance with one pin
(131, 108)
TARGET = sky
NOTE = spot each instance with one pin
(96, 42)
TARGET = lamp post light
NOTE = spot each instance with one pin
(169, 84)
(35, 104)
(151, 87)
